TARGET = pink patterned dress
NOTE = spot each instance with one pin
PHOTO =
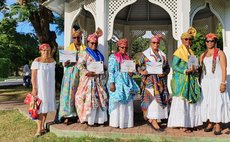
(90, 98)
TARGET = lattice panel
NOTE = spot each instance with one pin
(91, 6)
(118, 33)
(202, 26)
(137, 33)
(172, 5)
(113, 8)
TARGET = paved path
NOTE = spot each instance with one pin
(10, 82)
(140, 131)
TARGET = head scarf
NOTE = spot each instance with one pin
(156, 38)
(211, 35)
(94, 37)
(76, 31)
(44, 46)
(122, 42)
(191, 33)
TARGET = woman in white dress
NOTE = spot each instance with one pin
(43, 82)
(154, 90)
(215, 106)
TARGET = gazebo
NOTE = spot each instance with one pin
(132, 18)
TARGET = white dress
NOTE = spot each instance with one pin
(122, 115)
(45, 85)
(184, 114)
(155, 111)
(215, 106)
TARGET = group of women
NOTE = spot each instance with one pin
(89, 96)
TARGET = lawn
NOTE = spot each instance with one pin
(16, 128)
(13, 93)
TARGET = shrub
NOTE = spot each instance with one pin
(4, 67)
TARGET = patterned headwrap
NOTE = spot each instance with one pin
(94, 37)
(76, 31)
(122, 42)
(157, 38)
(189, 34)
(44, 46)
(211, 35)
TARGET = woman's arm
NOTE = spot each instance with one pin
(111, 69)
(34, 82)
(223, 64)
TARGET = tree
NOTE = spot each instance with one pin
(39, 16)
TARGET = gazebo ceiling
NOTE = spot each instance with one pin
(144, 13)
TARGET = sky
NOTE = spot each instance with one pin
(26, 27)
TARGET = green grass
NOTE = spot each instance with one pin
(13, 93)
(15, 127)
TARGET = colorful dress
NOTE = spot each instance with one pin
(215, 105)
(185, 107)
(45, 85)
(154, 90)
(91, 98)
(69, 87)
(120, 101)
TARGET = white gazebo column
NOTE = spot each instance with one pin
(226, 38)
(101, 21)
(183, 17)
(170, 45)
(67, 31)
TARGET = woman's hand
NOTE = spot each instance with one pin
(112, 87)
(91, 74)
(130, 74)
(143, 72)
(34, 92)
(67, 63)
(222, 88)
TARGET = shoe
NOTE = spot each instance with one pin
(208, 129)
(217, 132)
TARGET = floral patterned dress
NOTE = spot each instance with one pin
(90, 98)
(69, 87)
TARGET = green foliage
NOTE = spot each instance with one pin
(19, 48)
(4, 67)
(138, 46)
(198, 45)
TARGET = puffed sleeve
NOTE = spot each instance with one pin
(34, 65)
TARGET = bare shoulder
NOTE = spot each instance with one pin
(37, 59)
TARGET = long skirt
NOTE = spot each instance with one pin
(184, 114)
(122, 115)
(97, 116)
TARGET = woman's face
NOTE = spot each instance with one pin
(76, 39)
(45, 53)
(122, 49)
(155, 44)
(186, 41)
(210, 43)
(92, 44)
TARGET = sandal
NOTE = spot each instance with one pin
(38, 134)
(151, 125)
(188, 130)
(208, 129)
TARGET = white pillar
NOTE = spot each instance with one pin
(183, 17)
(101, 21)
(170, 45)
(226, 39)
(67, 29)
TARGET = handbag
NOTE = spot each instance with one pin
(33, 103)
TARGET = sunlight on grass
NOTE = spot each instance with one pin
(15, 127)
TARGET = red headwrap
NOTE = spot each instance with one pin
(122, 42)
(44, 46)
(94, 37)
(211, 35)
(157, 38)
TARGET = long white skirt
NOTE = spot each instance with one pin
(97, 116)
(184, 114)
(215, 106)
(155, 111)
(122, 115)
